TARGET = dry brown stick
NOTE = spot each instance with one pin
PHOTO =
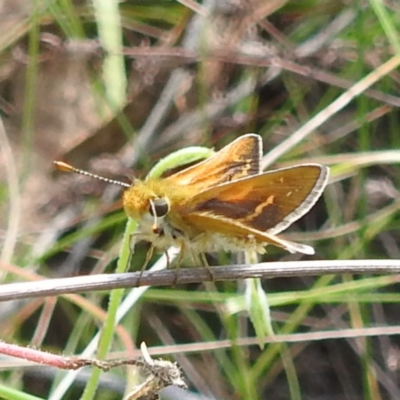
(268, 270)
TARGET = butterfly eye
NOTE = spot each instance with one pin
(159, 207)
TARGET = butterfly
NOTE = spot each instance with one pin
(222, 203)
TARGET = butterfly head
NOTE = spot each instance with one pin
(146, 203)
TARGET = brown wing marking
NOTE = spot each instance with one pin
(269, 202)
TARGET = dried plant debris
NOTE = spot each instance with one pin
(154, 374)
(157, 375)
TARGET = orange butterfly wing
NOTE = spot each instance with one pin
(260, 206)
(239, 159)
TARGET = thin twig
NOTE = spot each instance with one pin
(268, 270)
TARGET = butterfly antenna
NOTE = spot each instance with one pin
(62, 166)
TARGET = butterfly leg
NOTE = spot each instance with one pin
(178, 261)
(133, 239)
(206, 265)
(168, 259)
(200, 260)
(149, 255)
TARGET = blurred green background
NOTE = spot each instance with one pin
(112, 87)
